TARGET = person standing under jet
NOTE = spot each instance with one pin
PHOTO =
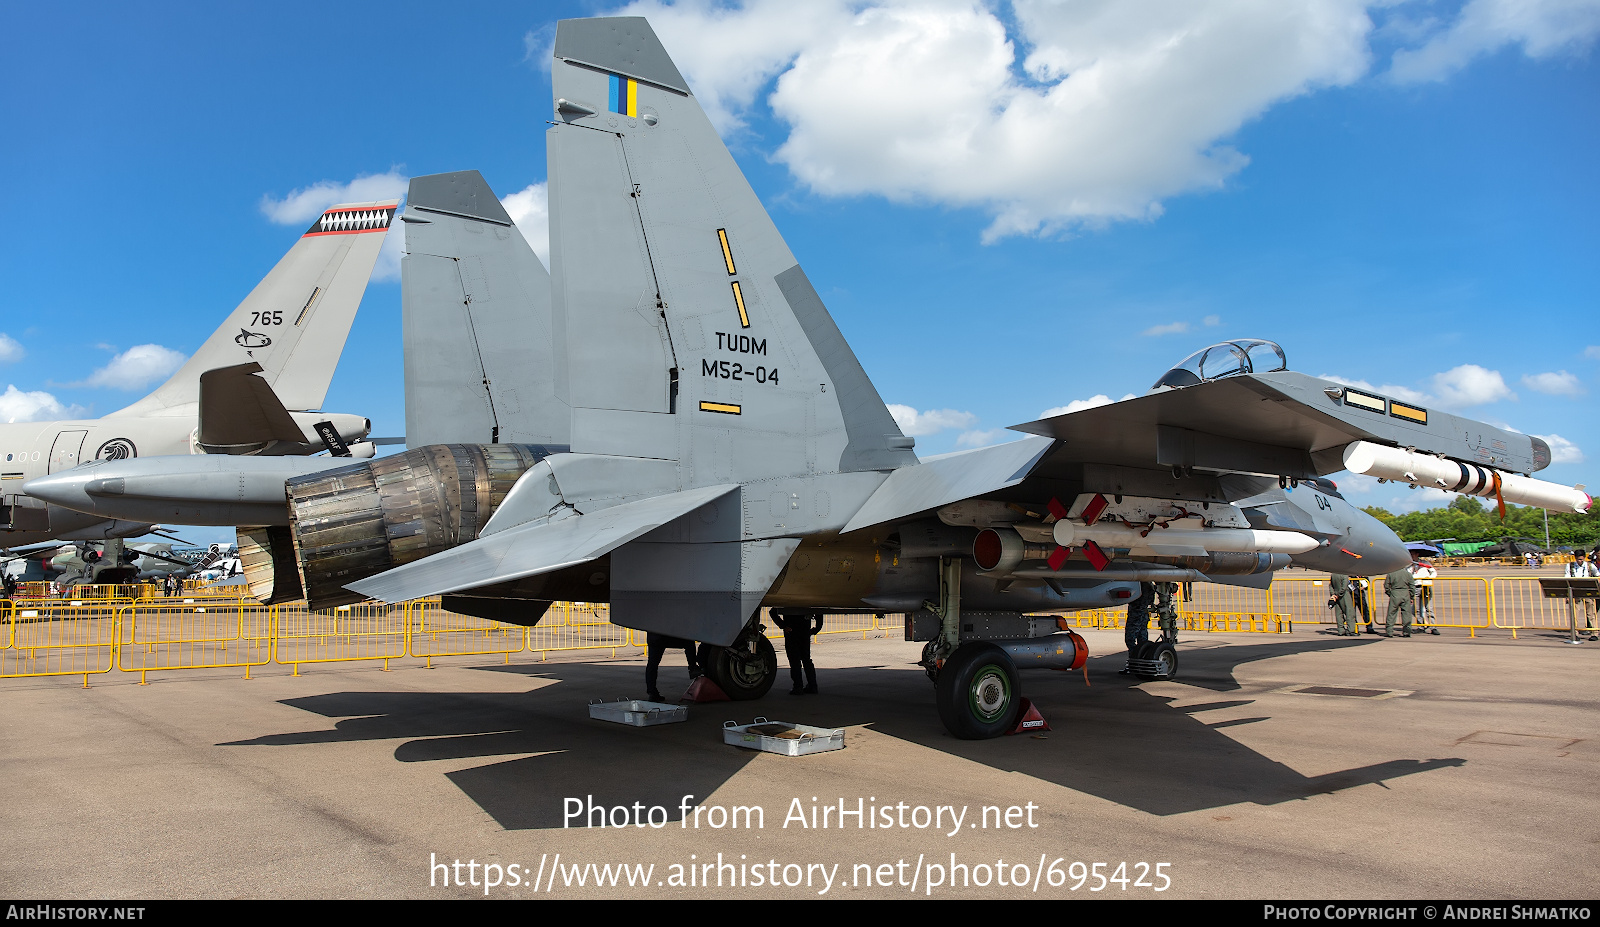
(657, 645)
(1358, 590)
(1398, 585)
(1136, 632)
(1425, 575)
(1344, 606)
(797, 632)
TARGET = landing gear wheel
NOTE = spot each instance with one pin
(743, 674)
(1155, 660)
(977, 692)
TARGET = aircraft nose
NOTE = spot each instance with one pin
(1386, 553)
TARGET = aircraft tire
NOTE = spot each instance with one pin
(977, 692)
(1161, 656)
(743, 678)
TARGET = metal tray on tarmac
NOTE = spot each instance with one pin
(782, 737)
(638, 712)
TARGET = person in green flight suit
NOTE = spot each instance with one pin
(1400, 587)
(1344, 606)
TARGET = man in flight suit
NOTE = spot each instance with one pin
(1400, 587)
(1344, 605)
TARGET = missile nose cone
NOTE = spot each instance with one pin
(65, 489)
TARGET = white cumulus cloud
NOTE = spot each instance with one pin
(1060, 115)
(1559, 383)
(35, 406)
(1470, 385)
(137, 367)
(302, 205)
(1171, 328)
(1078, 405)
(919, 424)
(1563, 451)
(1592, 352)
(987, 437)
(305, 204)
(1542, 28)
(10, 349)
(529, 208)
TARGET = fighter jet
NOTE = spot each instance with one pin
(720, 448)
(274, 353)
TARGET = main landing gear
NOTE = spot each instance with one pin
(977, 691)
(746, 669)
(972, 658)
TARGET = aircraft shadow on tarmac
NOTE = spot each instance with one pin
(1111, 739)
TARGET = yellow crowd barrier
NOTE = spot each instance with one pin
(48, 638)
(197, 632)
(91, 634)
(436, 632)
(866, 624)
(1519, 605)
(367, 631)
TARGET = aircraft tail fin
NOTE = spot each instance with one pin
(294, 323)
(468, 281)
(689, 330)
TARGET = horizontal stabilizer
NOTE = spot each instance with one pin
(239, 413)
(949, 478)
(528, 550)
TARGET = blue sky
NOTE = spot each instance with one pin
(1007, 207)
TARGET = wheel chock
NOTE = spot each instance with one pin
(702, 689)
(1029, 721)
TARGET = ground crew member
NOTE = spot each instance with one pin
(1136, 632)
(657, 645)
(1344, 605)
(797, 632)
(1398, 585)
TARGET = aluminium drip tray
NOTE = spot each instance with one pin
(638, 712)
(782, 737)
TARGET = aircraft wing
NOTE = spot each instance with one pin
(528, 550)
(1281, 423)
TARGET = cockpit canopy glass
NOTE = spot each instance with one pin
(1225, 359)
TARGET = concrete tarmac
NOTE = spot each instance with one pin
(1298, 766)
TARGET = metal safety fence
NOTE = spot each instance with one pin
(89, 635)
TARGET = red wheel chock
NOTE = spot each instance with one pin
(702, 689)
(1029, 721)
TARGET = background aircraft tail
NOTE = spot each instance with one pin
(294, 323)
(690, 331)
(479, 362)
